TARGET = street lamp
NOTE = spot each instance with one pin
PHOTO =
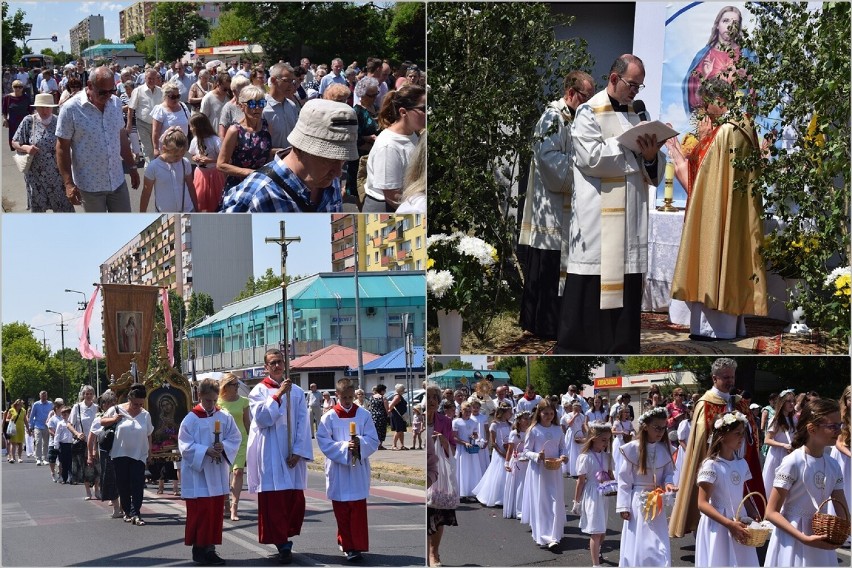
(44, 336)
(82, 307)
(64, 374)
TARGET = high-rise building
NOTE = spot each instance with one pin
(385, 242)
(187, 253)
(88, 30)
(135, 19)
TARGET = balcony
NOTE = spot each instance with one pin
(341, 254)
(402, 254)
(386, 260)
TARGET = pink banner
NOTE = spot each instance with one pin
(167, 318)
(86, 349)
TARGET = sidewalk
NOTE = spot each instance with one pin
(399, 466)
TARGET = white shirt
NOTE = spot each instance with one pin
(169, 118)
(131, 434)
(95, 142)
(82, 414)
(414, 204)
(171, 193)
(143, 100)
(48, 86)
(63, 434)
(387, 162)
(213, 145)
(343, 480)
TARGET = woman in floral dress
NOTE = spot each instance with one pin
(379, 411)
(248, 144)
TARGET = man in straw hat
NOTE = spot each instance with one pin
(305, 177)
(279, 445)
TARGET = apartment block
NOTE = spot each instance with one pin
(135, 19)
(385, 242)
(90, 28)
(187, 253)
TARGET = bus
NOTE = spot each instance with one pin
(37, 60)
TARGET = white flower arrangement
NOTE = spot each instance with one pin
(656, 412)
(837, 273)
(439, 282)
(728, 419)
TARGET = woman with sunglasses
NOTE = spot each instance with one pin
(171, 112)
(72, 87)
(403, 116)
(248, 144)
(16, 105)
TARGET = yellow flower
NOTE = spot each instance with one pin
(430, 263)
(688, 144)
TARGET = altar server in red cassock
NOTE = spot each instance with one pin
(279, 447)
(347, 437)
(208, 440)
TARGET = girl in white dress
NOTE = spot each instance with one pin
(645, 473)
(489, 490)
(573, 425)
(597, 413)
(544, 494)
(482, 432)
(840, 450)
(779, 437)
(622, 433)
(468, 466)
(720, 489)
(803, 481)
(594, 467)
(516, 467)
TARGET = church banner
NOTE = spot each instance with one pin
(128, 326)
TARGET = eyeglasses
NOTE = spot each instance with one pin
(173, 97)
(275, 362)
(658, 428)
(106, 92)
(584, 96)
(376, 94)
(253, 104)
(421, 108)
(632, 85)
(833, 426)
(17, 87)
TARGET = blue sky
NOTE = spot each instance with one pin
(43, 254)
(50, 18)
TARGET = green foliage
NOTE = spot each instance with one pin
(323, 30)
(200, 306)
(493, 67)
(553, 375)
(801, 72)
(509, 363)
(406, 31)
(13, 28)
(176, 25)
(23, 359)
(268, 281)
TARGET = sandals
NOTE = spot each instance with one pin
(138, 522)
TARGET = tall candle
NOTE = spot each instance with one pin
(670, 170)
(668, 190)
(351, 428)
(217, 427)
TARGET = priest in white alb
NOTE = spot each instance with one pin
(208, 440)
(279, 447)
(347, 437)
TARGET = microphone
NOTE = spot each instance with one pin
(639, 108)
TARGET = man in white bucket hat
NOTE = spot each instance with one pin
(303, 178)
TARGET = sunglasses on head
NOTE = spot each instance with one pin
(256, 103)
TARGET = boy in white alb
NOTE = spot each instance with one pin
(347, 437)
(279, 445)
(204, 467)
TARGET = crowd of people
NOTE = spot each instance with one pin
(679, 463)
(214, 138)
(264, 439)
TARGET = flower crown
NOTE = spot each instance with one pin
(656, 412)
(728, 419)
(785, 392)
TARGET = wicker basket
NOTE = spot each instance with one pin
(552, 463)
(836, 528)
(756, 537)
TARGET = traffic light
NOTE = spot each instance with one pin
(53, 38)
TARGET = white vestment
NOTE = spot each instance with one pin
(200, 476)
(343, 480)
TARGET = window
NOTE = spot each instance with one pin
(418, 243)
(418, 265)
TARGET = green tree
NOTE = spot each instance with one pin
(233, 26)
(509, 363)
(493, 67)
(268, 281)
(406, 31)
(176, 24)
(200, 306)
(23, 360)
(800, 74)
(13, 29)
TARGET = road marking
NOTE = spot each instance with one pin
(14, 516)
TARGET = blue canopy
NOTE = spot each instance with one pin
(394, 362)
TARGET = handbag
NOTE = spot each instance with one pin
(444, 492)
(11, 429)
(23, 161)
(79, 445)
(106, 437)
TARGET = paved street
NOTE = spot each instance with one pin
(49, 524)
(503, 542)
